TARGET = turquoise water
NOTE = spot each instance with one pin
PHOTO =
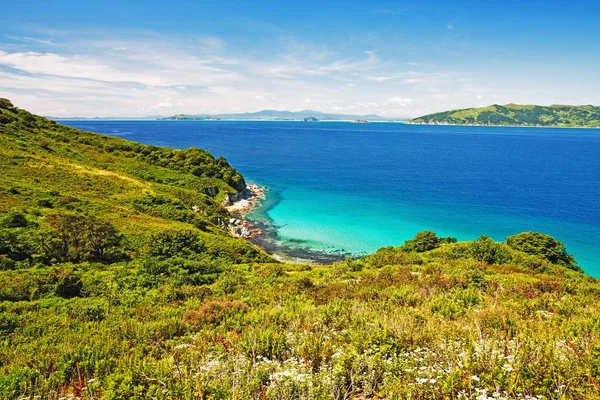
(352, 188)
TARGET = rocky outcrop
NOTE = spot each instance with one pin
(245, 201)
(242, 228)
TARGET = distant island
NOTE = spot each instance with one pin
(517, 115)
(276, 115)
(186, 117)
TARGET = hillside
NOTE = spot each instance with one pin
(119, 280)
(518, 115)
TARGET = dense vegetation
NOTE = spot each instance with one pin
(119, 281)
(517, 115)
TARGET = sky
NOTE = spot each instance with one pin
(392, 58)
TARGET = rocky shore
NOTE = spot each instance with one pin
(264, 235)
(238, 206)
(243, 202)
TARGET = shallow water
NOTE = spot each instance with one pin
(352, 188)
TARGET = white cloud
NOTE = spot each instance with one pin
(125, 77)
(45, 42)
(379, 78)
(73, 67)
(162, 106)
(399, 100)
(414, 80)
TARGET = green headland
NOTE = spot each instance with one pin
(518, 115)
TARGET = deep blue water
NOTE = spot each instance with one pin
(358, 187)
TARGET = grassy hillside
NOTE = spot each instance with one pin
(516, 114)
(118, 281)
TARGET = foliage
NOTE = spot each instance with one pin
(485, 249)
(425, 241)
(213, 312)
(175, 242)
(544, 246)
(14, 220)
(78, 238)
(516, 114)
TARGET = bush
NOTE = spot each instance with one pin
(392, 256)
(543, 246)
(6, 104)
(14, 220)
(214, 312)
(423, 241)
(426, 241)
(230, 281)
(77, 238)
(16, 245)
(175, 242)
(69, 285)
(485, 249)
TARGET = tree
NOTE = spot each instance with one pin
(543, 246)
(175, 242)
(485, 249)
(76, 238)
(6, 104)
(425, 241)
(14, 220)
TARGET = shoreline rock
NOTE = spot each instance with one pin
(240, 204)
(244, 202)
(264, 236)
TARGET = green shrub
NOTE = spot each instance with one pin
(175, 242)
(77, 238)
(485, 249)
(230, 281)
(14, 220)
(6, 104)
(392, 256)
(70, 285)
(423, 241)
(544, 246)
(426, 241)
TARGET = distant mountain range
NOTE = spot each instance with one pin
(517, 115)
(282, 115)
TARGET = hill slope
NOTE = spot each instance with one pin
(518, 115)
(118, 281)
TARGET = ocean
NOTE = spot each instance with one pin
(345, 188)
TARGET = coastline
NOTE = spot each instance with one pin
(264, 235)
(502, 126)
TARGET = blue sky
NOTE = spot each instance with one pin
(393, 58)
